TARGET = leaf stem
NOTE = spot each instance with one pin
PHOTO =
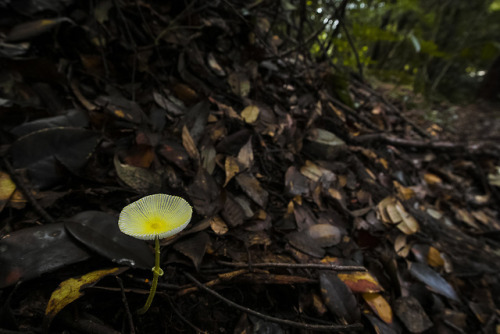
(157, 272)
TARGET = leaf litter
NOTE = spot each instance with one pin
(279, 167)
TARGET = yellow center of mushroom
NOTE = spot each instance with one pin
(155, 224)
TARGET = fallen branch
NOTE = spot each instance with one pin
(326, 328)
(320, 266)
(475, 148)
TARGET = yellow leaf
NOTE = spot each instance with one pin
(434, 257)
(432, 179)
(71, 289)
(232, 168)
(250, 114)
(7, 188)
(403, 192)
(380, 306)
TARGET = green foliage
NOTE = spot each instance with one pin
(436, 45)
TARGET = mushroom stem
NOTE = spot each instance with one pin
(157, 272)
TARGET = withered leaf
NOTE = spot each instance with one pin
(194, 247)
(411, 313)
(175, 153)
(71, 289)
(245, 156)
(251, 186)
(189, 145)
(360, 281)
(338, 298)
(295, 182)
(204, 193)
(232, 212)
(232, 167)
(140, 179)
(303, 242)
(379, 305)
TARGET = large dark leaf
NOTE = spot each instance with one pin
(30, 252)
(72, 118)
(41, 151)
(433, 280)
(338, 298)
(99, 231)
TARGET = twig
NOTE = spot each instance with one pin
(394, 109)
(183, 318)
(125, 303)
(326, 328)
(478, 148)
(320, 266)
(27, 193)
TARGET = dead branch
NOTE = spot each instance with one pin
(325, 328)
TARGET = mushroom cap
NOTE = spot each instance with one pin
(158, 215)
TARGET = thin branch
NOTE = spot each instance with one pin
(183, 318)
(125, 303)
(326, 328)
(477, 148)
(27, 193)
(320, 266)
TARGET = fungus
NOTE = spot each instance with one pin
(155, 217)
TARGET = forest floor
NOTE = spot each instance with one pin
(320, 204)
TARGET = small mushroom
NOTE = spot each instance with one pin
(155, 217)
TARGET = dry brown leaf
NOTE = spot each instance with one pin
(231, 167)
(432, 179)
(251, 186)
(189, 145)
(218, 225)
(245, 156)
(401, 247)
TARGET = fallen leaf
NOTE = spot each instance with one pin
(140, 179)
(379, 306)
(71, 289)
(30, 252)
(189, 145)
(99, 232)
(7, 188)
(433, 280)
(252, 188)
(194, 247)
(232, 167)
(432, 179)
(338, 298)
(204, 193)
(434, 258)
(218, 225)
(250, 114)
(411, 313)
(245, 156)
(41, 151)
(239, 83)
(361, 281)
